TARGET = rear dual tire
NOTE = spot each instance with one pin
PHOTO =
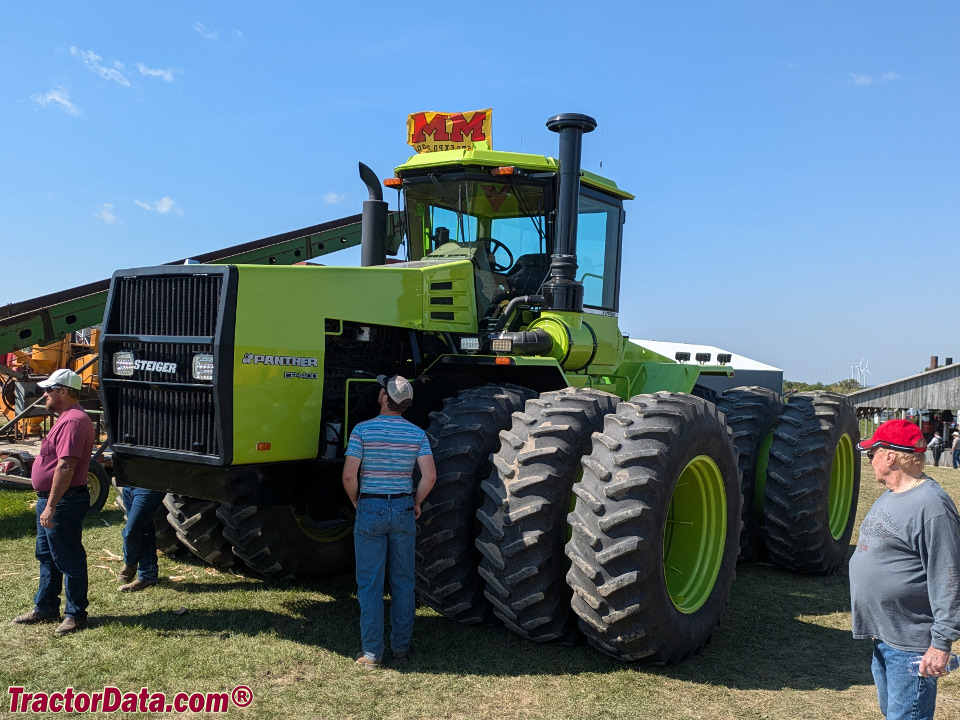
(813, 483)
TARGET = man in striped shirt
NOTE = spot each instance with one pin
(378, 478)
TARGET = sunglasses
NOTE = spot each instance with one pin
(873, 451)
(52, 387)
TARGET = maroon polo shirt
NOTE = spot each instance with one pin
(71, 436)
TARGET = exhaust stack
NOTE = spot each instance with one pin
(373, 225)
(562, 291)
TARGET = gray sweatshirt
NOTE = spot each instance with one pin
(905, 572)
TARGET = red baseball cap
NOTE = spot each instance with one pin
(901, 435)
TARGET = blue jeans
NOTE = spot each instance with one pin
(63, 561)
(902, 694)
(139, 536)
(956, 458)
(385, 531)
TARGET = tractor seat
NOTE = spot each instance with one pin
(528, 273)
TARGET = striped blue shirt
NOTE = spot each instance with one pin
(388, 447)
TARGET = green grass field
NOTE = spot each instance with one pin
(784, 649)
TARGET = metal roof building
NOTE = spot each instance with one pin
(937, 389)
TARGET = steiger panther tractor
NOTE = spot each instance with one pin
(585, 483)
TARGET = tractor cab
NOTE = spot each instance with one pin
(466, 206)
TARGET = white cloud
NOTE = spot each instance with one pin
(206, 32)
(58, 96)
(164, 74)
(163, 206)
(92, 61)
(332, 198)
(105, 213)
(238, 34)
(863, 80)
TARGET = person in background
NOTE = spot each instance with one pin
(140, 568)
(59, 476)
(378, 478)
(936, 448)
(903, 575)
(956, 450)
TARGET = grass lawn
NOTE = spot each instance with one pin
(784, 649)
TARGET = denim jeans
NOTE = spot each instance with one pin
(903, 695)
(385, 532)
(139, 536)
(956, 458)
(63, 561)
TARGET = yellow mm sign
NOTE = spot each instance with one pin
(435, 131)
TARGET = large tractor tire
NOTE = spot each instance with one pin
(463, 434)
(524, 513)
(813, 482)
(752, 413)
(198, 528)
(283, 543)
(655, 529)
(167, 541)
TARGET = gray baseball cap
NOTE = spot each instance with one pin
(398, 387)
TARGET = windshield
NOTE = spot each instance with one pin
(496, 224)
(499, 225)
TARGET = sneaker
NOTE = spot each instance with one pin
(33, 617)
(70, 625)
(366, 663)
(137, 585)
(127, 573)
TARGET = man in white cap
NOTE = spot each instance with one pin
(378, 478)
(956, 450)
(59, 476)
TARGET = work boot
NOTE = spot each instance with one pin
(71, 625)
(127, 573)
(362, 661)
(33, 617)
(137, 585)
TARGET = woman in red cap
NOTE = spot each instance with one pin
(903, 575)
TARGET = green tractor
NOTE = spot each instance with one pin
(585, 483)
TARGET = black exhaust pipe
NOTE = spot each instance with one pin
(562, 291)
(373, 225)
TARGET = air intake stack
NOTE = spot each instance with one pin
(562, 292)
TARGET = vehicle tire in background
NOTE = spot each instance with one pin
(98, 483)
(656, 529)
(284, 543)
(462, 434)
(523, 517)
(199, 530)
(813, 482)
(752, 413)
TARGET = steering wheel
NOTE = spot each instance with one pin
(492, 245)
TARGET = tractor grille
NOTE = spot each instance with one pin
(179, 420)
(155, 317)
(166, 305)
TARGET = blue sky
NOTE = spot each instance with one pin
(796, 165)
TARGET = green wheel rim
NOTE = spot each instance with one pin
(841, 486)
(323, 531)
(760, 478)
(695, 534)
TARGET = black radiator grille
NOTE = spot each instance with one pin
(171, 419)
(166, 305)
(181, 354)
